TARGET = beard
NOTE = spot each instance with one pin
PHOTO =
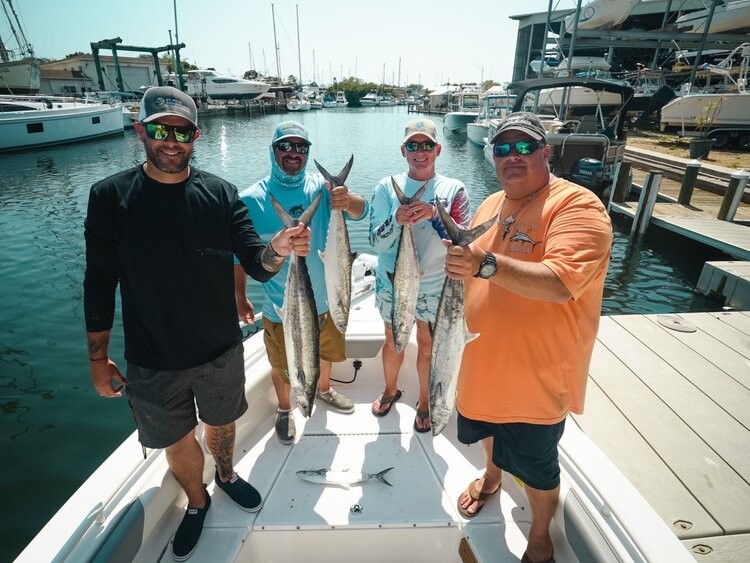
(168, 164)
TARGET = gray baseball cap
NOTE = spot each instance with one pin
(521, 121)
(162, 101)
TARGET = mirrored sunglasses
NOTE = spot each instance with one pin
(287, 146)
(414, 146)
(522, 148)
(160, 132)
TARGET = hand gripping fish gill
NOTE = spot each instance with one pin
(299, 315)
(449, 333)
(338, 256)
(405, 278)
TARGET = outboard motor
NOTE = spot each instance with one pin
(589, 173)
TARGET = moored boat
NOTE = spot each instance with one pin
(341, 100)
(370, 99)
(39, 121)
(727, 16)
(492, 106)
(207, 83)
(130, 507)
(298, 103)
(463, 109)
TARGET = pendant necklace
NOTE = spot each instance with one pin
(511, 219)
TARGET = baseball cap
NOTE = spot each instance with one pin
(521, 121)
(161, 101)
(287, 129)
(420, 126)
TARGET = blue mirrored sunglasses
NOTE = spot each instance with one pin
(287, 146)
(414, 146)
(160, 132)
(522, 148)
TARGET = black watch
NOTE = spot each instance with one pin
(488, 267)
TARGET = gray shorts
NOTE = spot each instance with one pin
(425, 311)
(164, 402)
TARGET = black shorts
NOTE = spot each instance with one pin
(528, 451)
(164, 402)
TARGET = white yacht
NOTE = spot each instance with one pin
(341, 100)
(210, 84)
(298, 103)
(493, 106)
(40, 121)
(463, 109)
(601, 14)
(728, 16)
(371, 99)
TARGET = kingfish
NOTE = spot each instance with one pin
(343, 478)
(338, 256)
(449, 333)
(405, 277)
(299, 315)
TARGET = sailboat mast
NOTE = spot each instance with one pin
(23, 43)
(299, 52)
(276, 44)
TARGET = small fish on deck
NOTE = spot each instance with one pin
(341, 478)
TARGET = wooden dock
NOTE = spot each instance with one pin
(668, 401)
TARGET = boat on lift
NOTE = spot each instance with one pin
(19, 67)
(601, 14)
(728, 16)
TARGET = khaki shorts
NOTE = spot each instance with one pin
(332, 343)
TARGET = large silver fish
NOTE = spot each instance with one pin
(299, 315)
(338, 256)
(449, 333)
(343, 478)
(405, 277)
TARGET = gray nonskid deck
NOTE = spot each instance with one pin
(671, 410)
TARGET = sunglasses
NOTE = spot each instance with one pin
(286, 146)
(160, 132)
(522, 148)
(414, 146)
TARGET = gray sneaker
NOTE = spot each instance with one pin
(336, 401)
(285, 427)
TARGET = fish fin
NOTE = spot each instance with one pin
(326, 175)
(352, 257)
(431, 328)
(399, 193)
(322, 255)
(381, 476)
(310, 211)
(344, 174)
(279, 311)
(390, 277)
(419, 193)
(469, 336)
(473, 233)
(450, 225)
(286, 219)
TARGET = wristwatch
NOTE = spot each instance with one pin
(488, 267)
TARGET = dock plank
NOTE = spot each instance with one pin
(621, 365)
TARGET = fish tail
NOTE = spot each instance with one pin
(380, 476)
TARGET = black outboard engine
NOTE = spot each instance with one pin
(589, 173)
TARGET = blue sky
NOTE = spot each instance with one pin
(436, 40)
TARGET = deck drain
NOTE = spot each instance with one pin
(676, 323)
(356, 509)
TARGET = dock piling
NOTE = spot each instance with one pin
(733, 195)
(688, 182)
(646, 203)
(622, 183)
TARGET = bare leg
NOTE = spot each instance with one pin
(543, 505)
(185, 459)
(392, 361)
(324, 383)
(283, 390)
(220, 440)
(424, 351)
(489, 482)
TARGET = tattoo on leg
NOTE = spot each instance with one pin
(221, 443)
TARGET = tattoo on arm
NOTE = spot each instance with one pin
(98, 344)
(271, 261)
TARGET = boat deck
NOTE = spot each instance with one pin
(670, 409)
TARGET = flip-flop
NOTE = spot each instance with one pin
(475, 496)
(386, 401)
(422, 416)
(525, 558)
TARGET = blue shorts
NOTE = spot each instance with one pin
(164, 402)
(427, 305)
(528, 451)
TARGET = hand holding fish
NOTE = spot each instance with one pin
(292, 239)
(414, 212)
(341, 199)
(462, 262)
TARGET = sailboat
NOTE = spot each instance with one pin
(19, 68)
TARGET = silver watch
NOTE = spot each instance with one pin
(488, 267)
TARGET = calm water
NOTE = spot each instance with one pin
(54, 429)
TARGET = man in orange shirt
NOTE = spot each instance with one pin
(534, 285)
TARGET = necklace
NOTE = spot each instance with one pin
(511, 219)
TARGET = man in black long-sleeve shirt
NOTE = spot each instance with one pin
(166, 233)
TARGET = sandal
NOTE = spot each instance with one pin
(386, 401)
(423, 417)
(479, 496)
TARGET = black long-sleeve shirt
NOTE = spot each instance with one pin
(170, 247)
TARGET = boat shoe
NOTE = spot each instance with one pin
(284, 426)
(189, 532)
(241, 492)
(337, 401)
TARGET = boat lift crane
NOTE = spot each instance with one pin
(114, 44)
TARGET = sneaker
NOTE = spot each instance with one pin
(337, 401)
(285, 426)
(189, 532)
(241, 492)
